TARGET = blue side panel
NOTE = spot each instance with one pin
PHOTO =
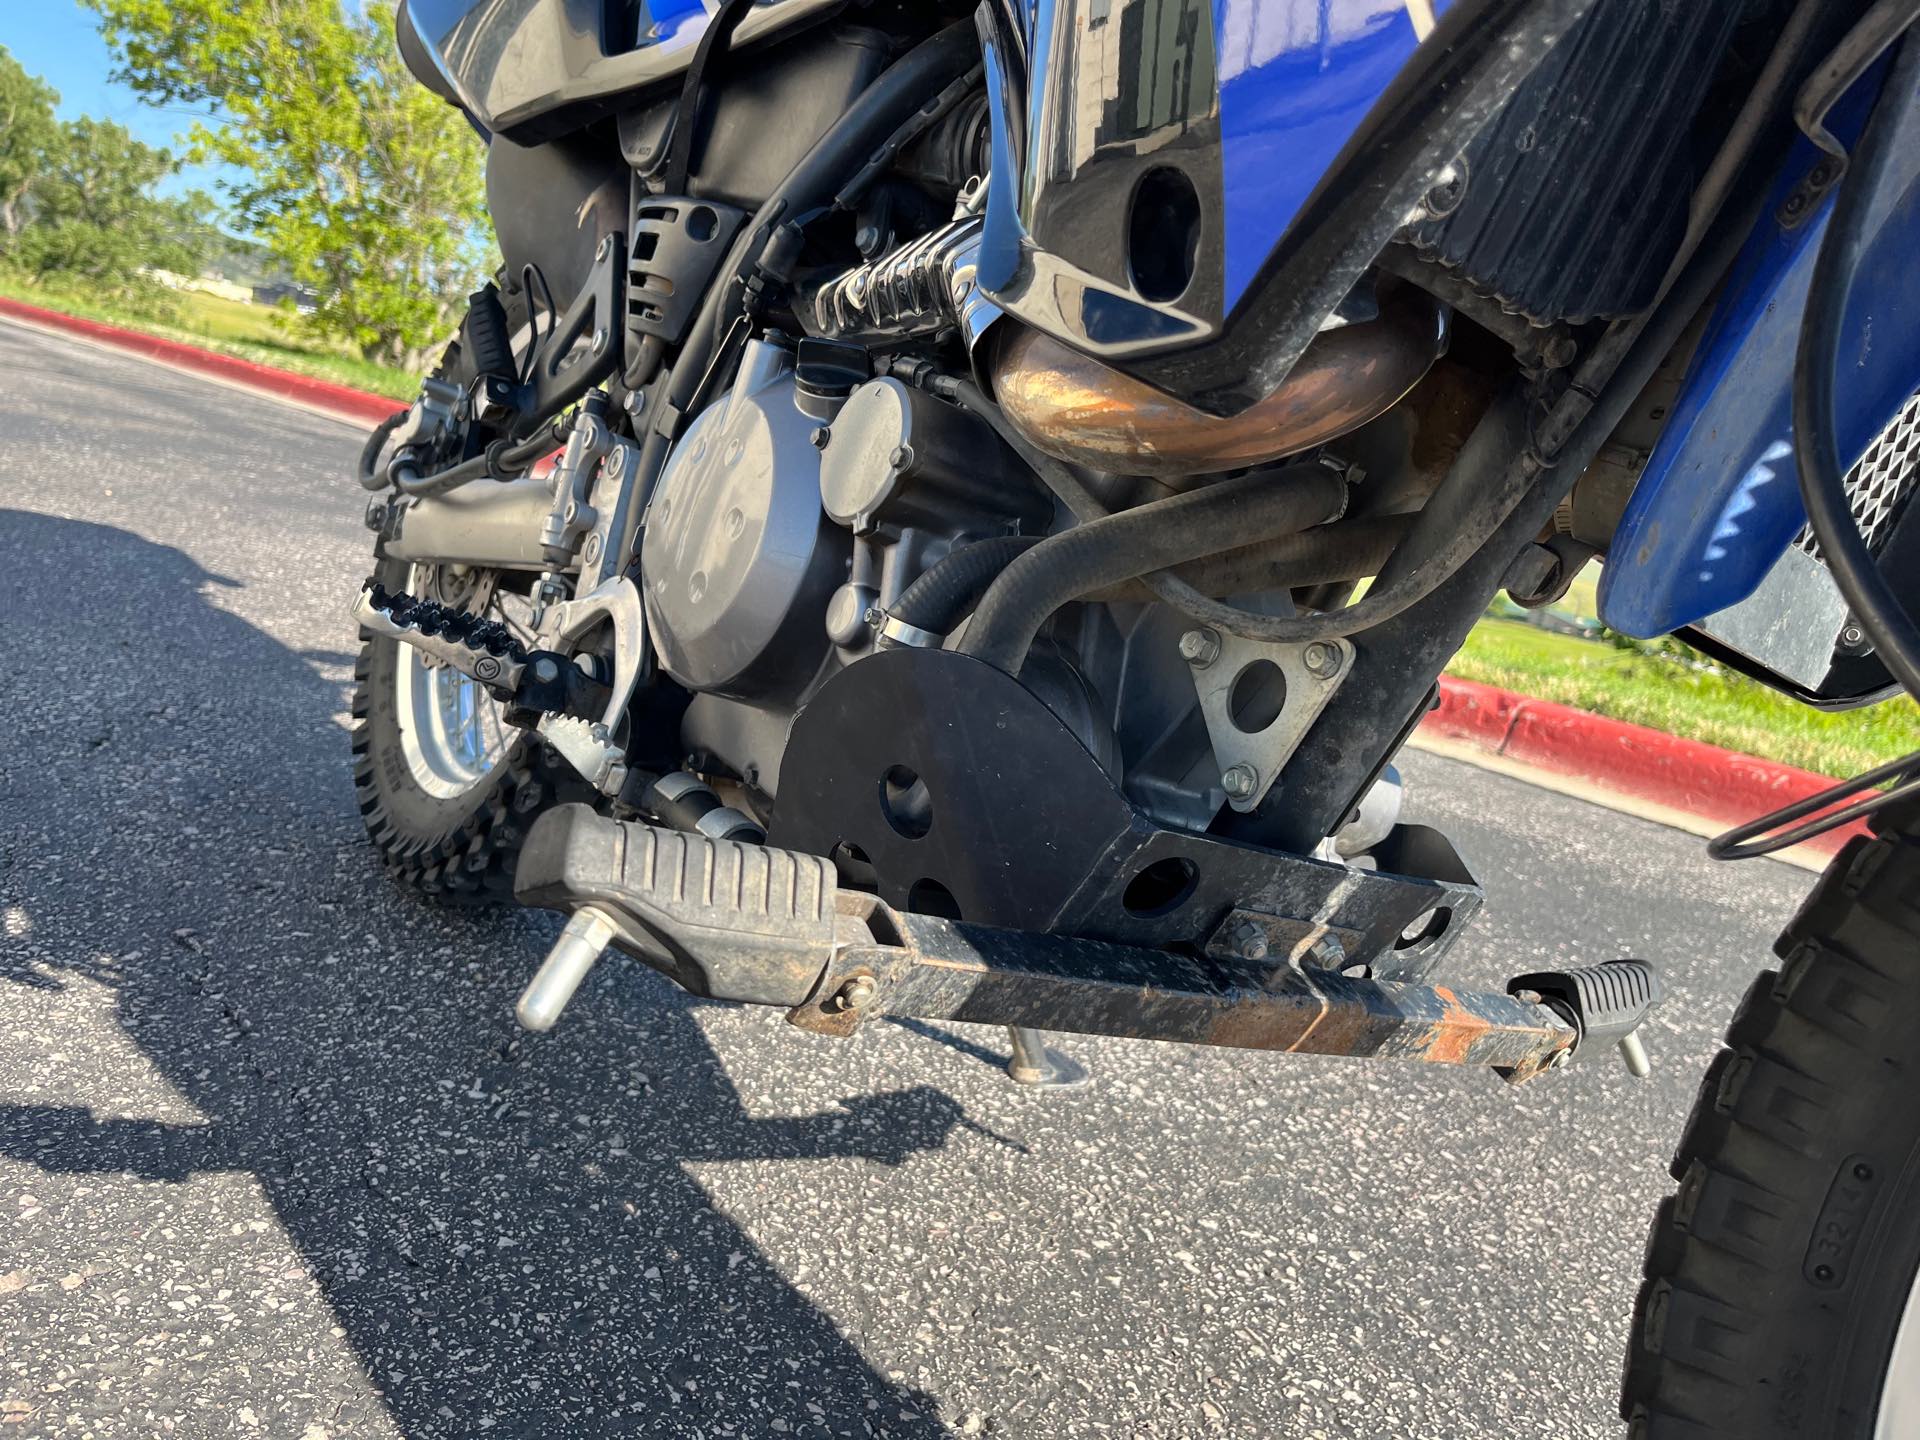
(1296, 79)
(1719, 500)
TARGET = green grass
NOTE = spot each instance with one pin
(1666, 694)
(253, 332)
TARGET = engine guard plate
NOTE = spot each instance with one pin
(969, 798)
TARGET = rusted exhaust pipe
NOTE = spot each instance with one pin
(1078, 410)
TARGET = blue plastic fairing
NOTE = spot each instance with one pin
(1719, 500)
(1297, 77)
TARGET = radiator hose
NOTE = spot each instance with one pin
(1140, 541)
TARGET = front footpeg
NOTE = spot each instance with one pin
(483, 649)
(750, 923)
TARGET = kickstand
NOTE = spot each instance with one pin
(1038, 1064)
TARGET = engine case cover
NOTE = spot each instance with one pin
(738, 561)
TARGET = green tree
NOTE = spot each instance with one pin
(361, 183)
(94, 213)
(28, 132)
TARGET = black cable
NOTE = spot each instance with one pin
(1875, 607)
(1740, 843)
(528, 274)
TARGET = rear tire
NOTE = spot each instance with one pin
(456, 840)
(1779, 1273)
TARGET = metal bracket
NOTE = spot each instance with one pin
(618, 603)
(1259, 701)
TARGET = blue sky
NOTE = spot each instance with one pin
(60, 42)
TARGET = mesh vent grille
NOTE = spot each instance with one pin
(1879, 485)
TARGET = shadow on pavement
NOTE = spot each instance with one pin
(502, 1224)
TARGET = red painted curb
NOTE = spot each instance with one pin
(341, 401)
(1723, 786)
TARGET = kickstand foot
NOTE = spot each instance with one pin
(1038, 1064)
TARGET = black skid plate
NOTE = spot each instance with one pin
(967, 797)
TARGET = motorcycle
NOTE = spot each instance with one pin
(950, 511)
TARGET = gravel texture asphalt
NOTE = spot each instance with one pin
(274, 1160)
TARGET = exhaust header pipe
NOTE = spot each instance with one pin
(1079, 410)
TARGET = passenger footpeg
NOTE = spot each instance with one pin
(750, 923)
(1602, 1002)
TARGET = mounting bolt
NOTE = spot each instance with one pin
(606, 247)
(1249, 941)
(1326, 953)
(1561, 1060)
(1322, 659)
(545, 670)
(1527, 997)
(855, 993)
(600, 338)
(1200, 648)
(1239, 781)
(819, 436)
(901, 458)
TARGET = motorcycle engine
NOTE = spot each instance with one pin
(794, 507)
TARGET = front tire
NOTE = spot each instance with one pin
(447, 797)
(1780, 1296)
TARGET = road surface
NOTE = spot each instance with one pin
(275, 1161)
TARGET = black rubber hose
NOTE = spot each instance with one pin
(1141, 541)
(1895, 637)
(946, 593)
(502, 460)
(1350, 550)
(370, 475)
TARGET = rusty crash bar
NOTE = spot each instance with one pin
(759, 925)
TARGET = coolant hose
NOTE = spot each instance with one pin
(1140, 541)
(1349, 550)
(947, 592)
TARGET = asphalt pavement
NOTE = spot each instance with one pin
(274, 1160)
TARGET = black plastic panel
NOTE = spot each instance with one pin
(677, 245)
(1576, 193)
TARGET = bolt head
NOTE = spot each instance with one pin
(545, 671)
(819, 436)
(1322, 659)
(1527, 997)
(1250, 941)
(856, 992)
(1239, 781)
(1200, 648)
(1562, 1060)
